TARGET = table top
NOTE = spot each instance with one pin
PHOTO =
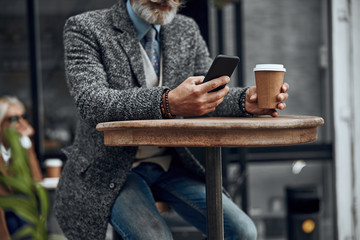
(214, 131)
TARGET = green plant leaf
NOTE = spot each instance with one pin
(34, 206)
(44, 200)
(18, 186)
(40, 230)
(19, 164)
(20, 206)
(56, 237)
(23, 232)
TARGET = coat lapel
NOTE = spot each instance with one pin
(170, 48)
(127, 39)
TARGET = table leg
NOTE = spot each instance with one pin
(215, 225)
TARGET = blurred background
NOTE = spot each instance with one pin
(308, 191)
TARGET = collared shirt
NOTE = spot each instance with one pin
(5, 153)
(141, 26)
(151, 154)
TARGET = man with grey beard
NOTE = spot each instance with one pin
(141, 60)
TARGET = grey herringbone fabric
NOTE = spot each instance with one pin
(105, 77)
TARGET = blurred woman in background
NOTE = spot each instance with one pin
(12, 114)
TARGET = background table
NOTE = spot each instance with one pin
(212, 133)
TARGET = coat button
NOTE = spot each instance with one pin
(111, 185)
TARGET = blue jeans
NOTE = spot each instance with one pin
(13, 222)
(134, 215)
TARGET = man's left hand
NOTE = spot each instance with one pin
(252, 107)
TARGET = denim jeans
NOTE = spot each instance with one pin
(13, 222)
(134, 215)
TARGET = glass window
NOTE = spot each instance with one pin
(59, 111)
(14, 54)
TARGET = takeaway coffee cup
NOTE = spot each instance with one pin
(269, 79)
(53, 167)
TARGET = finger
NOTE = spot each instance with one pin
(218, 102)
(215, 96)
(24, 127)
(251, 94)
(197, 80)
(281, 106)
(253, 98)
(285, 87)
(274, 113)
(19, 128)
(271, 112)
(210, 106)
(22, 124)
(282, 97)
(215, 83)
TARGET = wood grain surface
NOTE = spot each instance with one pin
(219, 131)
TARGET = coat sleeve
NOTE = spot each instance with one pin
(88, 85)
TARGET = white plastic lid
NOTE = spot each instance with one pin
(53, 162)
(269, 67)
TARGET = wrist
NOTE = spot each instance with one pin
(242, 104)
(165, 105)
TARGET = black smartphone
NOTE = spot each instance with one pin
(223, 65)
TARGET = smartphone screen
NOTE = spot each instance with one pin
(223, 65)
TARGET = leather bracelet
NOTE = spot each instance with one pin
(164, 105)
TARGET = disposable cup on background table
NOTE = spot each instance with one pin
(53, 167)
(269, 79)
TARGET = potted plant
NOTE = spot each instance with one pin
(29, 199)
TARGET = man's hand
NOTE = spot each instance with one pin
(192, 98)
(251, 104)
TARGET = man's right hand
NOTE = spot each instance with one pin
(192, 98)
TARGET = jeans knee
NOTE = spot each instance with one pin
(244, 231)
(251, 232)
(154, 230)
(160, 232)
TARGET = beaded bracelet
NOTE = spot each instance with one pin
(164, 105)
(242, 102)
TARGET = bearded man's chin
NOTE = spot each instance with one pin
(161, 16)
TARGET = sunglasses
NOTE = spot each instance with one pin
(15, 118)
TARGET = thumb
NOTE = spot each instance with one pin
(253, 97)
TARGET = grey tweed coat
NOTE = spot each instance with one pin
(106, 79)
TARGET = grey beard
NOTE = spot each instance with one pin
(156, 16)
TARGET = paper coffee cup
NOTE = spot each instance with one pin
(53, 167)
(269, 79)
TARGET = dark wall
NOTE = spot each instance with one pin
(198, 10)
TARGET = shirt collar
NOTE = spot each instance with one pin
(5, 153)
(141, 26)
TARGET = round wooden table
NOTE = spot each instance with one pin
(212, 133)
